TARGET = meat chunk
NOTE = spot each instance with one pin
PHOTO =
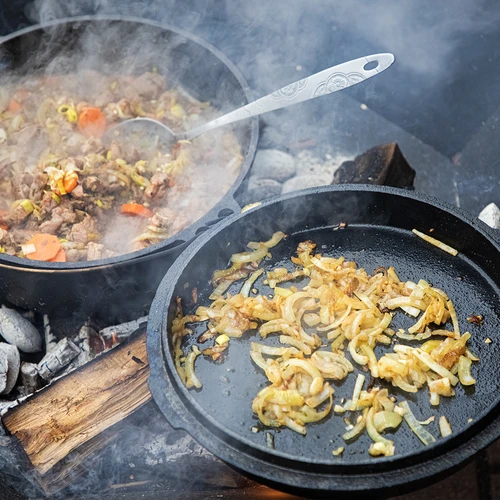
(85, 231)
(62, 214)
(52, 225)
(92, 145)
(92, 183)
(97, 251)
(157, 186)
(149, 85)
(78, 192)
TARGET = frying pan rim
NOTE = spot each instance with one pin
(183, 261)
(189, 233)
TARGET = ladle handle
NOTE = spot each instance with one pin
(325, 82)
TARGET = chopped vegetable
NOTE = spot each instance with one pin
(136, 209)
(70, 181)
(46, 246)
(426, 437)
(337, 452)
(435, 242)
(69, 111)
(444, 426)
(92, 122)
(60, 257)
(464, 366)
(14, 106)
(222, 339)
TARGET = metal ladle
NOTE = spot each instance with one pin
(325, 82)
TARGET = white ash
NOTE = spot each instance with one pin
(323, 166)
(491, 215)
(159, 451)
(50, 338)
(30, 378)
(13, 365)
(18, 331)
(60, 357)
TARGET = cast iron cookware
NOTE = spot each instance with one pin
(378, 233)
(114, 45)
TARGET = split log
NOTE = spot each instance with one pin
(382, 165)
(79, 406)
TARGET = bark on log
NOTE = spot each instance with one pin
(75, 408)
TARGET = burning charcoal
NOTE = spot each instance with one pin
(13, 364)
(383, 164)
(273, 164)
(30, 378)
(118, 333)
(18, 331)
(64, 352)
(50, 339)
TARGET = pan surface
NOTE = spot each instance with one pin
(378, 233)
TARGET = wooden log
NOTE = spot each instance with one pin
(75, 408)
(382, 165)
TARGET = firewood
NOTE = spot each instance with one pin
(383, 165)
(77, 407)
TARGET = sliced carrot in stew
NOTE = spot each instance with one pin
(3, 226)
(47, 247)
(136, 209)
(92, 122)
(21, 95)
(70, 182)
(60, 256)
(13, 106)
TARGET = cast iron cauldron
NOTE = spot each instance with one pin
(127, 282)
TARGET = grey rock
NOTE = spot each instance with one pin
(273, 164)
(13, 365)
(18, 331)
(260, 189)
(305, 181)
(491, 216)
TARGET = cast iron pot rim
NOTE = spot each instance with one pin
(189, 233)
(418, 463)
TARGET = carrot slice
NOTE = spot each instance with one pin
(70, 182)
(92, 122)
(13, 106)
(60, 256)
(3, 226)
(136, 209)
(47, 247)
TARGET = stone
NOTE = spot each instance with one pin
(491, 215)
(18, 331)
(260, 189)
(305, 181)
(273, 164)
(13, 365)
